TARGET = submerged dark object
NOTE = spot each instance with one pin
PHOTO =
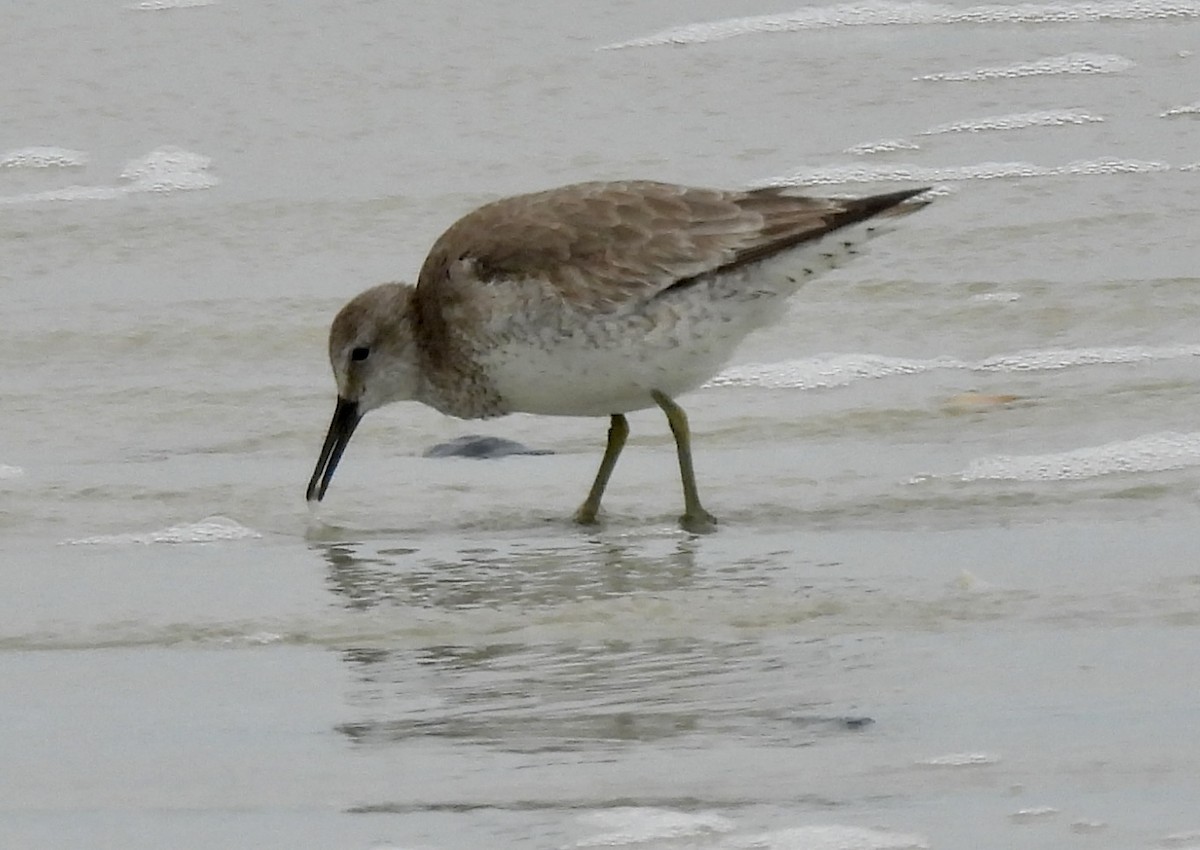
(856, 722)
(481, 446)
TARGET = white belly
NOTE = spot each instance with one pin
(585, 376)
(570, 361)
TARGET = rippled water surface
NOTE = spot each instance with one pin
(954, 600)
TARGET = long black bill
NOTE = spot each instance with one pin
(345, 419)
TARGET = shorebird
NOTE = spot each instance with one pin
(594, 299)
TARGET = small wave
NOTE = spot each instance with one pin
(836, 174)
(261, 638)
(161, 5)
(209, 530)
(883, 146)
(1034, 813)
(166, 169)
(894, 14)
(1189, 109)
(961, 760)
(1041, 360)
(635, 825)
(1152, 453)
(1189, 838)
(826, 372)
(10, 472)
(1071, 63)
(843, 369)
(997, 297)
(1016, 121)
(43, 157)
(68, 193)
(835, 837)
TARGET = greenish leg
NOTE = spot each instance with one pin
(695, 519)
(618, 430)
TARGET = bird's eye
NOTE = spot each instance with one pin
(360, 353)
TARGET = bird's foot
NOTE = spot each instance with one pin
(698, 521)
(586, 515)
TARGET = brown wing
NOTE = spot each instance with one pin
(600, 244)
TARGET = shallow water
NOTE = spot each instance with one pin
(954, 599)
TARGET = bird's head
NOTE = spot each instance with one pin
(374, 360)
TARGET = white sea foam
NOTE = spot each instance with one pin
(1188, 109)
(997, 297)
(1151, 453)
(1016, 121)
(961, 760)
(1071, 63)
(163, 170)
(834, 837)
(9, 472)
(208, 530)
(1040, 360)
(1034, 813)
(886, 13)
(839, 370)
(43, 157)
(258, 639)
(630, 825)
(168, 169)
(161, 5)
(883, 146)
(835, 174)
(68, 193)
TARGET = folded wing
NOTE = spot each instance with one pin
(602, 244)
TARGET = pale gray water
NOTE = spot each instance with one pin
(1010, 590)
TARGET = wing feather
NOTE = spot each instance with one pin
(600, 244)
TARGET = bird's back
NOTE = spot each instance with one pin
(603, 242)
